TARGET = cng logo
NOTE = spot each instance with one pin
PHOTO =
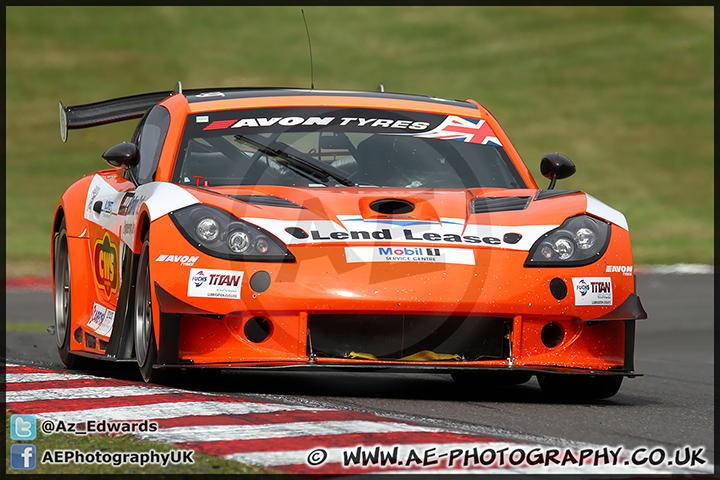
(105, 256)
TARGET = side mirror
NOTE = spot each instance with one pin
(555, 166)
(122, 155)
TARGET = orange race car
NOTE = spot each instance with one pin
(282, 228)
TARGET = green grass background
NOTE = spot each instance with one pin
(625, 92)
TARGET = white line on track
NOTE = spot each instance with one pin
(681, 268)
(85, 392)
(158, 411)
(215, 433)
(44, 377)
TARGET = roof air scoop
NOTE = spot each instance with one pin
(392, 206)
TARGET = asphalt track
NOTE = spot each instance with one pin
(671, 406)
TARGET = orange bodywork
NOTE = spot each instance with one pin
(533, 328)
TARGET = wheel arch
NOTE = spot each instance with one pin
(121, 344)
(69, 210)
(143, 228)
(71, 207)
(57, 221)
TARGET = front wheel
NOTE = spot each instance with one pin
(144, 333)
(571, 387)
(62, 299)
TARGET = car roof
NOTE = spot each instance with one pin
(227, 99)
(223, 94)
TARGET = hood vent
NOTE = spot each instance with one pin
(498, 204)
(266, 200)
(392, 206)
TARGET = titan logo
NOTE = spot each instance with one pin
(106, 258)
(600, 287)
(231, 280)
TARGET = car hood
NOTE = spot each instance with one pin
(511, 218)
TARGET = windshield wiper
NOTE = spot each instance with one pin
(320, 172)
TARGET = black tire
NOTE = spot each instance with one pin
(146, 352)
(62, 298)
(490, 379)
(572, 387)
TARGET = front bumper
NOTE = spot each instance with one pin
(279, 340)
(324, 312)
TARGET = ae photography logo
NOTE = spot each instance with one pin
(449, 456)
(25, 456)
(49, 427)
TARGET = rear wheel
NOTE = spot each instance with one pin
(62, 299)
(571, 387)
(144, 333)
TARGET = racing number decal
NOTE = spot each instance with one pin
(106, 260)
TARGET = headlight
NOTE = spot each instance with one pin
(238, 241)
(207, 229)
(218, 233)
(580, 240)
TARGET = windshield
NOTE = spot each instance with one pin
(323, 147)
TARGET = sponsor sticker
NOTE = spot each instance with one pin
(208, 283)
(626, 270)
(125, 202)
(471, 130)
(409, 254)
(101, 320)
(292, 121)
(91, 199)
(106, 260)
(593, 290)
(450, 232)
(184, 260)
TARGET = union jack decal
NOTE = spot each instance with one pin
(472, 130)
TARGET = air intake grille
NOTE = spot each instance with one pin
(394, 337)
(498, 204)
(267, 200)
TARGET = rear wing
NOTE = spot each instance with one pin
(108, 111)
(116, 110)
